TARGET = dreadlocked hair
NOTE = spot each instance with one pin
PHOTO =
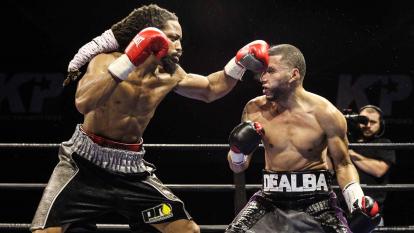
(143, 17)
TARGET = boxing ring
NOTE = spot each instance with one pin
(238, 187)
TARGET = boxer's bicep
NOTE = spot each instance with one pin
(337, 142)
(96, 85)
(97, 71)
(333, 125)
(337, 150)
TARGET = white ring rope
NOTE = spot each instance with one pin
(390, 146)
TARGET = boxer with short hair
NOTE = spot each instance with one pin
(301, 133)
(101, 168)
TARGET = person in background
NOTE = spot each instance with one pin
(373, 164)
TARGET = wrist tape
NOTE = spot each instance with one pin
(237, 158)
(234, 70)
(353, 194)
(121, 67)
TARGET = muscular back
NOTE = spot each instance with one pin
(294, 138)
(121, 111)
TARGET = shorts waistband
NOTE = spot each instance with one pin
(312, 181)
(113, 159)
(105, 142)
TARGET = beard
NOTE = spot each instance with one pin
(279, 93)
(368, 133)
(169, 65)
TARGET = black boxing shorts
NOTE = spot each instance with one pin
(292, 202)
(91, 180)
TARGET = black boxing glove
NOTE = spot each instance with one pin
(365, 218)
(244, 139)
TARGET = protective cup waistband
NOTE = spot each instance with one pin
(117, 160)
(296, 182)
(105, 142)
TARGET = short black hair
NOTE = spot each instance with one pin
(291, 55)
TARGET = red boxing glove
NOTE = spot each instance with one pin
(369, 206)
(148, 41)
(365, 218)
(253, 56)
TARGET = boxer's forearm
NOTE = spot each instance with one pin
(345, 174)
(207, 89)
(219, 85)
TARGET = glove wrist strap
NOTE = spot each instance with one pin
(121, 67)
(237, 158)
(234, 70)
(353, 194)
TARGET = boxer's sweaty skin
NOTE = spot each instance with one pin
(122, 111)
(293, 140)
(303, 131)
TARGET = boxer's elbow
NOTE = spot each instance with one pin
(208, 98)
(215, 91)
(81, 105)
(213, 95)
(200, 94)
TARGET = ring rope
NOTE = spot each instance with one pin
(202, 187)
(214, 187)
(103, 227)
(390, 146)
(204, 228)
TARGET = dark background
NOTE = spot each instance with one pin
(362, 40)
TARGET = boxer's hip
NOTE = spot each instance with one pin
(296, 186)
(105, 154)
(300, 201)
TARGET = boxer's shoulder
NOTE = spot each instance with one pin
(257, 102)
(104, 58)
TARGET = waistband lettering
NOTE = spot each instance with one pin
(307, 182)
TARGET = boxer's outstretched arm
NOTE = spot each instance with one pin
(204, 88)
(253, 56)
(96, 85)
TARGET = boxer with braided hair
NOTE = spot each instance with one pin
(119, 36)
(101, 168)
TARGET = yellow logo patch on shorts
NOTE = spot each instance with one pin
(157, 213)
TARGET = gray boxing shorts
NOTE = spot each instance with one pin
(91, 180)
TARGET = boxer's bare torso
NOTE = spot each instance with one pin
(294, 139)
(122, 111)
(130, 107)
